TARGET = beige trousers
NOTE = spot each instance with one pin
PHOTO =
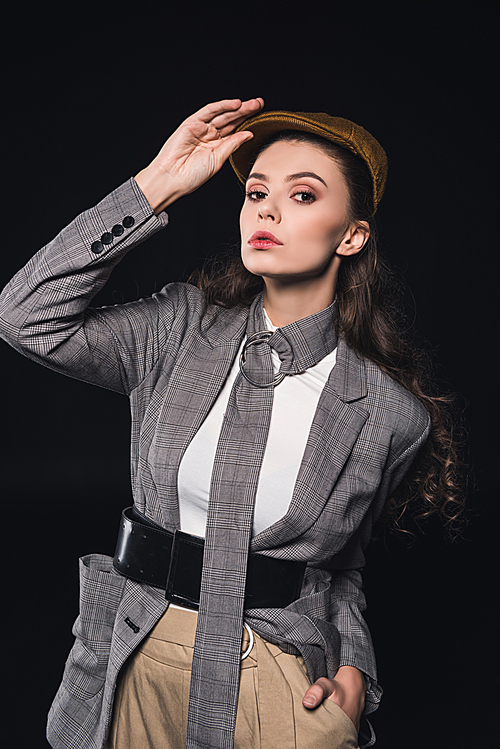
(150, 710)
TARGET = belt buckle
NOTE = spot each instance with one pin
(184, 574)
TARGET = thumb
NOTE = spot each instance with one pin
(231, 143)
(317, 692)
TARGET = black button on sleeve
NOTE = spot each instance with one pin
(128, 222)
(117, 230)
(107, 237)
(97, 247)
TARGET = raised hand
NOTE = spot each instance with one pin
(196, 151)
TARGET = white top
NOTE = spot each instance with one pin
(294, 405)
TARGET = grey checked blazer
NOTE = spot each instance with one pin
(170, 354)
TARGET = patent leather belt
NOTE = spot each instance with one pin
(147, 553)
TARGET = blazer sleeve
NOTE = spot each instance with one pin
(347, 597)
(44, 310)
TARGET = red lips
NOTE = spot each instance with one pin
(263, 239)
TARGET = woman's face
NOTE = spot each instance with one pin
(294, 218)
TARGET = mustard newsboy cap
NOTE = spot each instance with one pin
(342, 132)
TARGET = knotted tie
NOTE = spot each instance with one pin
(240, 450)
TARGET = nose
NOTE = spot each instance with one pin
(268, 210)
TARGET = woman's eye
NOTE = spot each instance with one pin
(304, 196)
(256, 195)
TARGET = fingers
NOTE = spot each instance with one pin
(231, 126)
(317, 692)
(209, 111)
(221, 113)
(229, 122)
(235, 117)
(230, 144)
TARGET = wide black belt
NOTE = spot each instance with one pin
(147, 553)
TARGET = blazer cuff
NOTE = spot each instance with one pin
(123, 218)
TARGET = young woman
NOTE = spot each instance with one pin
(275, 412)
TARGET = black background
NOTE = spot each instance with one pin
(92, 92)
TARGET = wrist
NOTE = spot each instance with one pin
(158, 187)
(351, 675)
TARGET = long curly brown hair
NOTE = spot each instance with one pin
(369, 318)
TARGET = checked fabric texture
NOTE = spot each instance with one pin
(240, 450)
(170, 354)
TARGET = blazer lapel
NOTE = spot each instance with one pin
(337, 423)
(180, 406)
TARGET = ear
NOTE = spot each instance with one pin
(354, 239)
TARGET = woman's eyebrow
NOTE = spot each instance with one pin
(258, 175)
(299, 175)
(289, 178)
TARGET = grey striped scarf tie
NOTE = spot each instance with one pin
(240, 450)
